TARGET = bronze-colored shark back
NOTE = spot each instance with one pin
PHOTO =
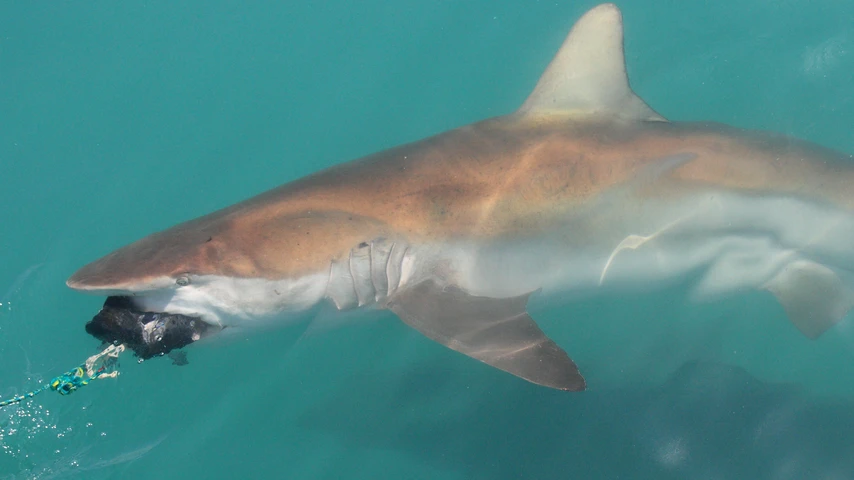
(510, 176)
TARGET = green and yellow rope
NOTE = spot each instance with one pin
(96, 366)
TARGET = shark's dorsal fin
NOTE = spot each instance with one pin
(588, 74)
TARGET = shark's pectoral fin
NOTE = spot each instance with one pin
(588, 73)
(496, 331)
(814, 296)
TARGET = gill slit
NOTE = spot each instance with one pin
(353, 278)
(371, 270)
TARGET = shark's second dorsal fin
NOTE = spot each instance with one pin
(588, 74)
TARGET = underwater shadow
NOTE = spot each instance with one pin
(706, 421)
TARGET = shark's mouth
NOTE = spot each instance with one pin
(148, 334)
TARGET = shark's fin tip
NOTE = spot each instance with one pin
(588, 73)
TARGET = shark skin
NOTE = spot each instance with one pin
(583, 187)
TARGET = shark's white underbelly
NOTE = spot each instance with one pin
(724, 242)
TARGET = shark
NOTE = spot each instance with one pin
(583, 187)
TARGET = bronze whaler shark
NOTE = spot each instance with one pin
(584, 186)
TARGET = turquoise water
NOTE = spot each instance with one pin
(121, 118)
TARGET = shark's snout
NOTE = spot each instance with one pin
(148, 334)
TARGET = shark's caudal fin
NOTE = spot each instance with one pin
(588, 74)
(496, 331)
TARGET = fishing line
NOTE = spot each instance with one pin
(101, 365)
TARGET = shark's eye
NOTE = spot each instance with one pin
(183, 281)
